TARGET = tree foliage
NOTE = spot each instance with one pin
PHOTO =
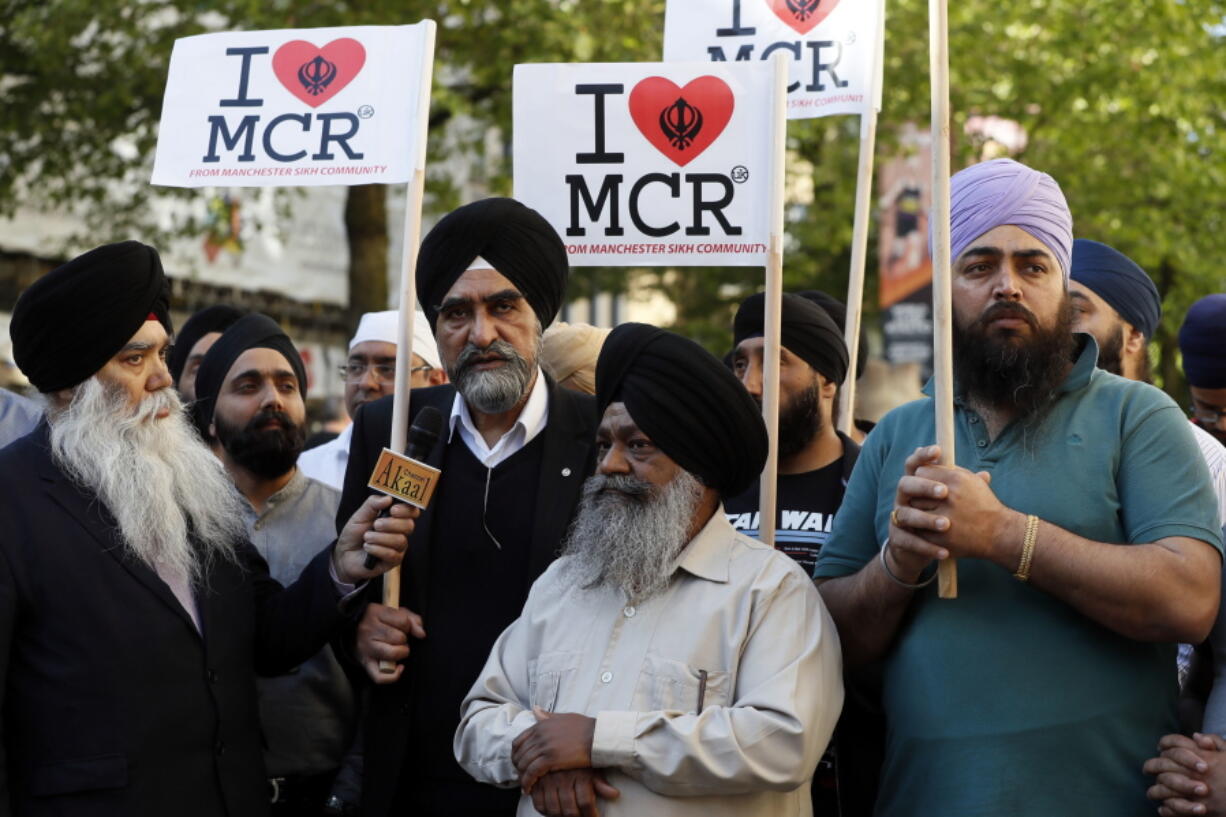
(1122, 103)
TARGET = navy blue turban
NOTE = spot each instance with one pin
(691, 407)
(1202, 340)
(1118, 280)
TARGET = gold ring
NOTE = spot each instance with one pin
(894, 518)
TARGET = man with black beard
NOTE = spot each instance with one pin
(1115, 301)
(134, 614)
(250, 395)
(815, 463)
(514, 454)
(815, 460)
(666, 664)
(1085, 529)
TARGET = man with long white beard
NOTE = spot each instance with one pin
(665, 664)
(514, 454)
(1086, 533)
(134, 614)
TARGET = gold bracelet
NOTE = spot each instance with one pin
(1032, 533)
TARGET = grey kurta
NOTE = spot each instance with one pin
(745, 613)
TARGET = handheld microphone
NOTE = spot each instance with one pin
(423, 434)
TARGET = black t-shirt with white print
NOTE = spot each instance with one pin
(805, 507)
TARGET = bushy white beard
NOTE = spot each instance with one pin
(495, 390)
(155, 477)
(628, 533)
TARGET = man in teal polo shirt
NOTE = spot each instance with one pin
(1043, 687)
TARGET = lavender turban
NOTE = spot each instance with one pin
(1002, 191)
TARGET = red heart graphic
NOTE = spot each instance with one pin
(681, 122)
(315, 75)
(802, 15)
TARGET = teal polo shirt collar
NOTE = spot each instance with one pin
(1077, 378)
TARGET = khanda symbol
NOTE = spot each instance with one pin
(681, 123)
(316, 75)
(803, 9)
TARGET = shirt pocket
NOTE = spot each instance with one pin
(675, 686)
(546, 674)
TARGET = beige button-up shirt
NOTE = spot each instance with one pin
(739, 611)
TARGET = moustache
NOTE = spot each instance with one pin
(161, 400)
(1007, 310)
(612, 485)
(259, 421)
(472, 355)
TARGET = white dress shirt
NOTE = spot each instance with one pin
(531, 422)
(743, 613)
(326, 463)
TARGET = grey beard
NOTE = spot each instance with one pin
(628, 533)
(495, 390)
(156, 477)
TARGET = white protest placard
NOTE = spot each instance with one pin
(648, 164)
(834, 46)
(294, 107)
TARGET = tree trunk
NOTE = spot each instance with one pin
(1169, 376)
(366, 227)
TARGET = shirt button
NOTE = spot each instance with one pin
(974, 419)
(606, 677)
(212, 676)
(981, 443)
(629, 612)
(220, 748)
(566, 472)
(259, 525)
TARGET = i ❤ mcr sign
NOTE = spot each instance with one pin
(292, 107)
(648, 164)
(834, 46)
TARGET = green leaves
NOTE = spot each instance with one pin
(1121, 102)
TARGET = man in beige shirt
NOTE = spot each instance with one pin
(665, 665)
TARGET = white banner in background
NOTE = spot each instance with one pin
(294, 107)
(835, 46)
(648, 164)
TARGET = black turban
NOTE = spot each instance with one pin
(514, 238)
(217, 318)
(805, 330)
(74, 319)
(253, 331)
(837, 310)
(684, 399)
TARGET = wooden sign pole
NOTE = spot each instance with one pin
(408, 291)
(774, 300)
(942, 266)
(859, 240)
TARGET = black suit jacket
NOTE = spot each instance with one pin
(113, 702)
(568, 458)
